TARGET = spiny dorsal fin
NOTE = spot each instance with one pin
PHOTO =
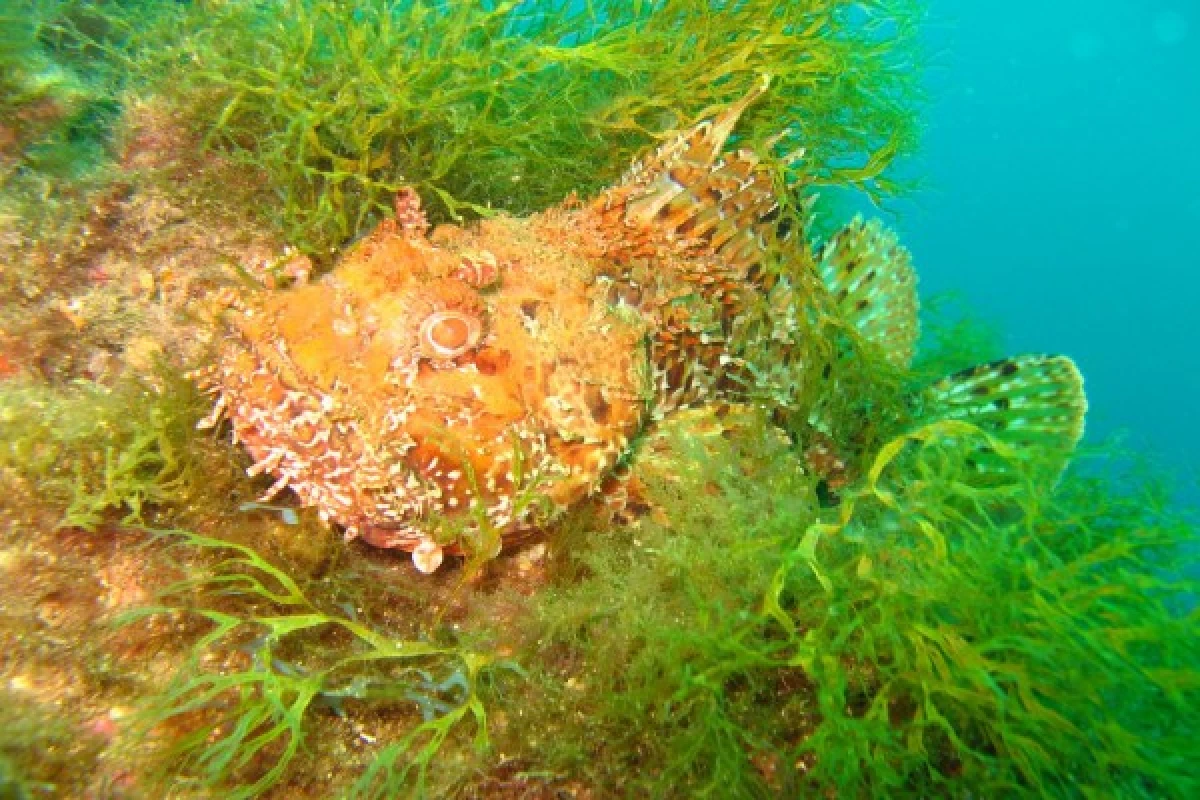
(871, 278)
(722, 211)
(1034, 404)
(711, 209)
(655, 179)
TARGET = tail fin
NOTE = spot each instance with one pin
(1033, 405)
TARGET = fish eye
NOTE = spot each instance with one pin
(445, 335)
(438, 323)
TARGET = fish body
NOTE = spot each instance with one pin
(442, 383)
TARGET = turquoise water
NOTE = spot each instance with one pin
(1061, 173)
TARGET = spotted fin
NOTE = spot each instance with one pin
(723, 211)
(871, 278)
(688, 361)
(1034, 405)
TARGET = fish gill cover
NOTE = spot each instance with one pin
(756, 622)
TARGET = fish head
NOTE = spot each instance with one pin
(432, 387)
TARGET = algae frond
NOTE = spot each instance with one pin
(281, 658)
(515, 105)
(91, 449)
(924, 638)
(53, 119)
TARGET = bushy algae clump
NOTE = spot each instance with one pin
(514, 105)
(1003, 640)
(282, 674)
(926, 637)
(94, 451)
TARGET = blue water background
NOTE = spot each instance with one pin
(1061, 196)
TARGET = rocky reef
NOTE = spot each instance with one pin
(813, 589)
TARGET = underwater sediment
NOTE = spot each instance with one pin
(758, 544)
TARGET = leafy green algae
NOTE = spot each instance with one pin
(1005, 644)
(925, 638)
(277, 687)
(92, 450)
(52, 119)
(514, 105)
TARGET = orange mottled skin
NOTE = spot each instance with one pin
(327, 388)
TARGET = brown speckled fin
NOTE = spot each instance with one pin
(871, 278)
(658, 177)
(687, 357)
(710, 209)
(1033, 404)
(723, 211)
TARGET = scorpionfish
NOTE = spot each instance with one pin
(439, 384)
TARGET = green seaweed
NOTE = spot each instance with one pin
(1014, 643)
(403, 765)
(92, 450)
(926, 637)
(299, 658)
(12, 786)
(513, 106)
(55, 121)
(39, 749)
(657, 672)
